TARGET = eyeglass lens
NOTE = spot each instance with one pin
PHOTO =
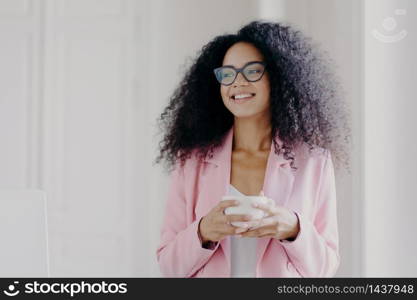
(252, 72)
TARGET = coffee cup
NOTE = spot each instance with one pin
(245, 207)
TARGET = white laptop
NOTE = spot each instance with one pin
(23, 233)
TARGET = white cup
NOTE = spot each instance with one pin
(245, 207)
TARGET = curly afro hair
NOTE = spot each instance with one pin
(305, 101)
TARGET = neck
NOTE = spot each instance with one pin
(252, 134)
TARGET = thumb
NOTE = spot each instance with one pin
(261, 193)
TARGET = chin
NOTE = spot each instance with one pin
(244, 114)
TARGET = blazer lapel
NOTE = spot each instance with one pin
(278, 184)
(219, 180)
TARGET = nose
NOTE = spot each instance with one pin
(240, 80)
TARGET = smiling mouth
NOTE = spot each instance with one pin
(242, 97)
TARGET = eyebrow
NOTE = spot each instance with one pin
(252, 61)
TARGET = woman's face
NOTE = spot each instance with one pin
(238, 55)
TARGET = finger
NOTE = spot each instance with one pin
(253, 223)
(240, 230)
(250, 233)
(265, 222)
(270, 234)
(261, 193)
(223, 219)
(257, 232)
(231, 230)
(242, 221)
(269, 209)
(238, 218)
(262, 230)
(226, 203)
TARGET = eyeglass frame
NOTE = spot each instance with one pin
(239, 70)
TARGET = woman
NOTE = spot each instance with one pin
(257, 113)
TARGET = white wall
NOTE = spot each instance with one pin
(390, 109)
(19, 93)
(68, 127)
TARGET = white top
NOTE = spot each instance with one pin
(243, 250)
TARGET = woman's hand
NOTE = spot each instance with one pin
(216, 225)
(280, 223)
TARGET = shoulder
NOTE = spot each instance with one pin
(311, 157)
(189, 167)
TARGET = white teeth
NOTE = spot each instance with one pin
(241, 96)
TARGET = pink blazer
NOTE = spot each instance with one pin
(310, 192)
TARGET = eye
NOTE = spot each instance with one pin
(227, 73)
(254, 71)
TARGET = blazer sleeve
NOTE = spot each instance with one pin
(315, 250)
(180, 252)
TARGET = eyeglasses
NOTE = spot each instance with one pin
(252, 71)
